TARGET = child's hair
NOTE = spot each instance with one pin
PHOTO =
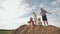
(41, 9)
(31, 18)
(34, 13)
(39, 19)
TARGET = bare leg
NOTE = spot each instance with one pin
(47, 23)
(44, 23)
(40, 23)
(35, 22)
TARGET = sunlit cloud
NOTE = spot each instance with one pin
(41, 5)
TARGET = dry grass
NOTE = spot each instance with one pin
(37, 29)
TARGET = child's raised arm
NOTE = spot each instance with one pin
(49, 12)
(40, 13)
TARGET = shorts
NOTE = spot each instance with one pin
(44, 18)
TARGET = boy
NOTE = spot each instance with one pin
(31, 22)
(35, 17)
(44, 18)
(39, 21)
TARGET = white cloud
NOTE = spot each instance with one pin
(41, 5)
(13, 23)
(58, 1)
(13, 9)
(55, 4)
(54, 21)
(2, 1)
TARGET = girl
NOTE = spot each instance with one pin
(35, 17)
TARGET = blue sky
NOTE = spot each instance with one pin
(46, 5)
(14, 13)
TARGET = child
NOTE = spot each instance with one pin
(39, 21)
(35, 17)
(31, 22)
(44, 18)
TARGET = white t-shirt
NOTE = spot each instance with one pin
(34, 18)
(39, 23)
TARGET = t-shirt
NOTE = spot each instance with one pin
(39, 23)
(43, 13)
(34, 18)
(31, 22)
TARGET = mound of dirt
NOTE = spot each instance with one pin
(37, 29)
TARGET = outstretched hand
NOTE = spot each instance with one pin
(49, 13)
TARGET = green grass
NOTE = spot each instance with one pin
(4, 31)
